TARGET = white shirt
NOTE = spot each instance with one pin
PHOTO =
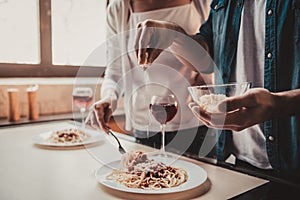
(249, 144)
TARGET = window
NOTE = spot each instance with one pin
(19, 32)
(74, 34)
(51, 38)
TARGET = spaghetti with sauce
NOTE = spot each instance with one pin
(141, 172)
(68, 136)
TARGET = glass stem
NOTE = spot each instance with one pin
(163, 127)
(82, 111)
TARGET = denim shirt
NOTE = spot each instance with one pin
(281, 70)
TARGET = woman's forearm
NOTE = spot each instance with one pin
(192, 52)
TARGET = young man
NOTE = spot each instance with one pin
(256, 41)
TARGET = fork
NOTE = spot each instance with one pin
(121, 149)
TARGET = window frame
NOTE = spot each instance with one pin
(45, 68)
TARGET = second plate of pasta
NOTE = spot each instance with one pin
(67, 137)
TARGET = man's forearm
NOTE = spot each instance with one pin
(288, 103)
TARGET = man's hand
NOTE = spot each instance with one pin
(237, 113)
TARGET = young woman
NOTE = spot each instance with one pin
(166, 75)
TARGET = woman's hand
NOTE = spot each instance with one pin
(237, 113)
(99, 116)
(152, 38)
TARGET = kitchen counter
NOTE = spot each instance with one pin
(29, 171)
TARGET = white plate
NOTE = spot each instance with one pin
(196, 176)
(42, 139)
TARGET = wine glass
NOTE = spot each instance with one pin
(163, 109)
(82, 98)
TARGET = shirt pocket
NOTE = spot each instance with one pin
(218, 9)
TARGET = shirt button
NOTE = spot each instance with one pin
(269, 55)
(270, 12)
(271, 138)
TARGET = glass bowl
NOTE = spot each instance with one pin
(208, 96)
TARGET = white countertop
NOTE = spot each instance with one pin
(30, 172)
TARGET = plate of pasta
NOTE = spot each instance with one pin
(67, 137)
(139, 173)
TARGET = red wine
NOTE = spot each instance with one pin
(82, 101)
(163, 112)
